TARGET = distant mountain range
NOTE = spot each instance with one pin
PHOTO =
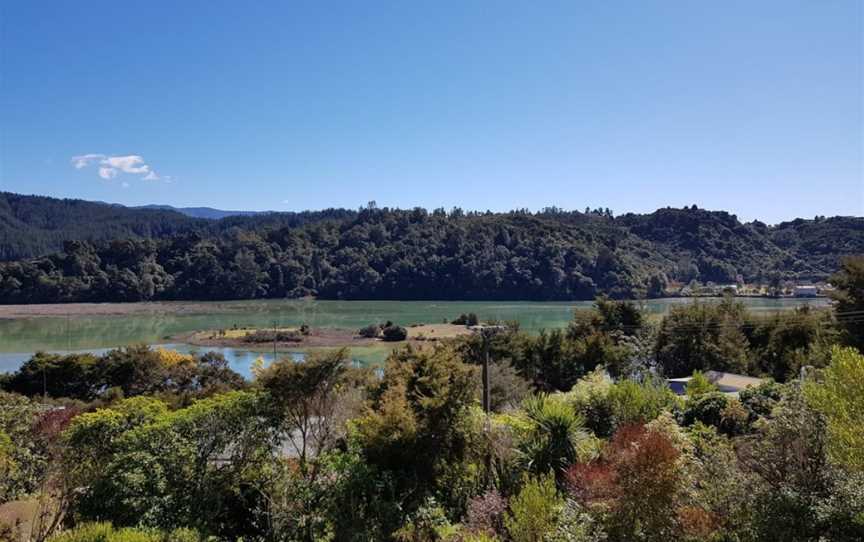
(395, 254)
(202, 212)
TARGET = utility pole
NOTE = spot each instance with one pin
(487, 332)
(275, 335)
(487, 406)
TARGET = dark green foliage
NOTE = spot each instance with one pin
(372, 331)
(706, 408)
(393, 333)
(761, 400)
(127, 255)
(556, 430)
(849, 296)
(138, 464)
(801, 496)
(273, 335)
(417, 432)
(703, 337)
(131, 371)
(469, 319)
(783, 343)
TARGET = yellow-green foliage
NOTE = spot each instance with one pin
(7, 463)
(699, 385)
(171, 358)
(593, 385)
(840, 397)
(635, 402)
(105, 532)
(534, 511)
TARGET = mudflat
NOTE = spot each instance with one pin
(109, 309)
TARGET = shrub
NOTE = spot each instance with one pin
(370, 332)
(556, 435)
(393, 333)
(840, 398)
(534, 511)
(707, 408)
(469, 319)
(639, 402)
(428, 524)
(105, 532)
(271, 335)
(699, 385)
(761, 400)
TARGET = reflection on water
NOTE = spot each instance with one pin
(20, 337)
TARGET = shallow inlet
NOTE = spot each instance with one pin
(21, 337)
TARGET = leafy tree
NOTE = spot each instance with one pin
(800, 497)
(311, 401)
(839, 396)
(138, 464)
(417, 429)
(702, 336)
(849, 298)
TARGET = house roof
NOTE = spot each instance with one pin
(725, 382)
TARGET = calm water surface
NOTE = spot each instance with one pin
(19, 338)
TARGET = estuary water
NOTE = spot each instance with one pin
(21, 337)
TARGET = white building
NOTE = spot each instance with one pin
(806, 290)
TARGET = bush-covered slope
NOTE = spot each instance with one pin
(114, 253)
(34, 225)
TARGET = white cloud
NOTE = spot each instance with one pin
(85, 160)
(107, 172)
(124, 184)
(111, 166)
(127, 164)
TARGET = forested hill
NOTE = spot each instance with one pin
(33, 226)
(132, 255)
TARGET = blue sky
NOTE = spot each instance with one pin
(753, 107)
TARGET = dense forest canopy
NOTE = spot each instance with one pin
(112, 253)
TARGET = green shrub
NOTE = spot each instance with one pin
(372, 331)
(699, 385)
(105, 532)
(469, 319)
(639, 402)
(273, 335)
(393, 333)
(707, 408)
(534, 511)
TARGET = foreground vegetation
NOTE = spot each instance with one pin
(585, 441)
(400, 254)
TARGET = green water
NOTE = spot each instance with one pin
(78, 333)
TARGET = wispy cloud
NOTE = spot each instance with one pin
(107, 172)
(85, 160)
(108, 167)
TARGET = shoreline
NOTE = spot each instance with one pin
(324, 337)
(180, 308)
